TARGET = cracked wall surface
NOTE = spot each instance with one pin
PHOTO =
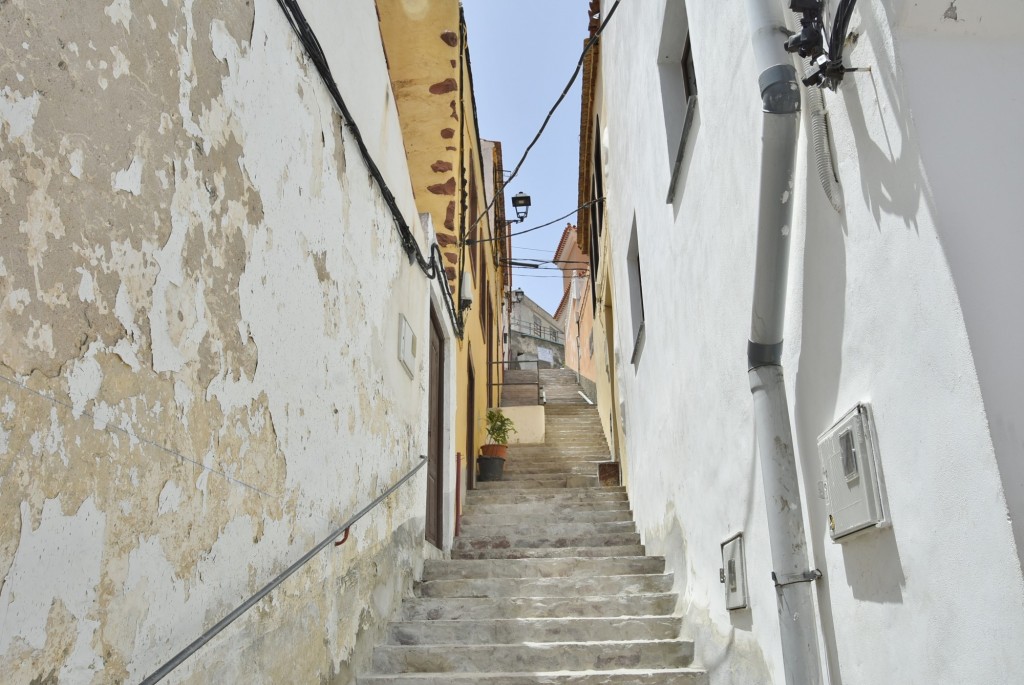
(199, 292)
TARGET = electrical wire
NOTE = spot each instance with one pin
(539, 276)
(538, 262)
(535, 228)
(840, 25)
(551, 112)
(431, 267)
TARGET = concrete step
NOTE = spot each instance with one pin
(551, 509)
(519, 468)
(549, 495)
(577, 452)
(551, 656)
(473, 608)
(549, 552)
(473, 517)
(545, 587)
(677, 676)
(510, 631)
(559, 527)
(436, 569)
(547, 464)
(545, 539)
(532, 483)
(566, 482)
(546, 471)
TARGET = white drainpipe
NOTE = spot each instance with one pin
(780, 95)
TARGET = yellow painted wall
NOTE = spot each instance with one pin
(428, 60)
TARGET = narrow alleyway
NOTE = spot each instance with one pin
(548, 582)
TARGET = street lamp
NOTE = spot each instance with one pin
(521, 203)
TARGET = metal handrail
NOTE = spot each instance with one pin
(540, 388)
(539, 331)
(249, 603)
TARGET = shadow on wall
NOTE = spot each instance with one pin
(689, 151)
(890, 181)
(873, 567)
(743, 619)
(816, 385)
(734, 658)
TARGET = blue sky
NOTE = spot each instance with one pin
(523, 54)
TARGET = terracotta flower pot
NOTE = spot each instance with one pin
(492, 450)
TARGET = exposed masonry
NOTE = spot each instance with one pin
(173, 190)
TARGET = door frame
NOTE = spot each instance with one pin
(435, 434)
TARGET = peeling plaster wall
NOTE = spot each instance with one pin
(893, 301)
(200, 289)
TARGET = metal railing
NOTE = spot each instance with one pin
(342, 530)
(538, 330)
(531, 365)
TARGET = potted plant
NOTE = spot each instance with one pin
(492, 457)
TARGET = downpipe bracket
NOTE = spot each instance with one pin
(794, 578)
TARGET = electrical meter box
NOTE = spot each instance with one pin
(853, 487)
(734, 573)
(406, 346)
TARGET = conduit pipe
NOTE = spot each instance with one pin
(819, 141)
(780, 95)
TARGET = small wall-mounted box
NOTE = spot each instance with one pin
(406, 346)
(854, 491)
(734, 573)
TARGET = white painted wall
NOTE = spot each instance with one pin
(194, 261)
(878, 301)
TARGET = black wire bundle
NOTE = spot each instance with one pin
(840, 25)
(831, 72)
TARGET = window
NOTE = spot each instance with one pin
(678, 86)
(636, 295)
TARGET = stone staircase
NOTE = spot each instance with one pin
(519, 388)
(548, 582)
(560, 387)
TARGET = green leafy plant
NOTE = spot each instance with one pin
(499, 426)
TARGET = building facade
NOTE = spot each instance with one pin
(575, 312)
(536, 339)
(222, 334)
(901, 295)
(457, 179)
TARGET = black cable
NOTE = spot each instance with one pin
(840, 25)
(528, 230)
(565, 91)
(540, 275)
(430, 267)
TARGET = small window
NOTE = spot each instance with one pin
(636, 295)
(678, 86)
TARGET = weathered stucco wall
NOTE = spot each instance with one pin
(199, 298)
(877, 311)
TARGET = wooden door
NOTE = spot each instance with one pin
(435, 437)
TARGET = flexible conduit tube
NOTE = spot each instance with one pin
(819, 141)
(780, 95)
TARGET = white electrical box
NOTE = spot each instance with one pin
(734, 573)
(852, 475)
(406, 346)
